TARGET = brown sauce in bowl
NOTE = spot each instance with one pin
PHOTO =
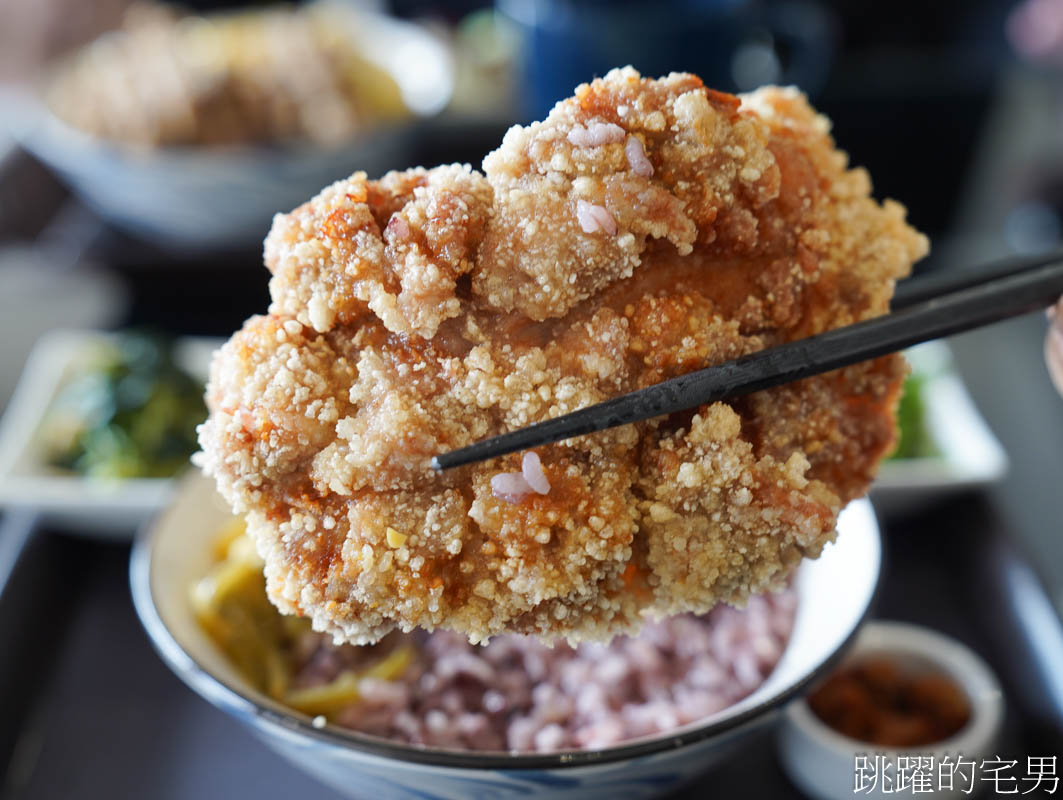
(878, 701)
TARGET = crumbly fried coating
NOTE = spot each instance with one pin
(645, 229)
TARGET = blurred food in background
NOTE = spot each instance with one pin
(200, 128)
(98, 424)
(486, 45)
(32, 32)
(129, 412)
(271, 75)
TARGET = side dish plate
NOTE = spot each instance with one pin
(968, 455)
(94, 508)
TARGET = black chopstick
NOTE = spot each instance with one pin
(1016, 288)
(926, 287)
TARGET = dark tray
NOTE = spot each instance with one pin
(90, 711)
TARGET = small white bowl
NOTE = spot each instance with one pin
(822, 762)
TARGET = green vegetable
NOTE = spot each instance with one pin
(131, 415)
(914, 440)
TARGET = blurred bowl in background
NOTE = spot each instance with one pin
(198, 198)
(833, 596)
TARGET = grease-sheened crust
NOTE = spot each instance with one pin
(433, 308)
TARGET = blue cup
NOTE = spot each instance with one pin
(734, 45)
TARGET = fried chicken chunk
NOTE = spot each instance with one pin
(645, 229)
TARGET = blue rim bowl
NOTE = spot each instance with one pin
(834, 593)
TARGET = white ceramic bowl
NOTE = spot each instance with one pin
(823, 762)
(833, 597)
(201, 198)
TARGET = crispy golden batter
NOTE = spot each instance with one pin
(644, 229)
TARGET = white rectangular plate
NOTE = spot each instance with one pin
(101, 509)
(969, 454)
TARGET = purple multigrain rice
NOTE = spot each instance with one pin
(517, 694)
(531, 470)
(398, 227)
(515, 486)
(512, 487)
(596, 134)
(636, 157)
(593, 218)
